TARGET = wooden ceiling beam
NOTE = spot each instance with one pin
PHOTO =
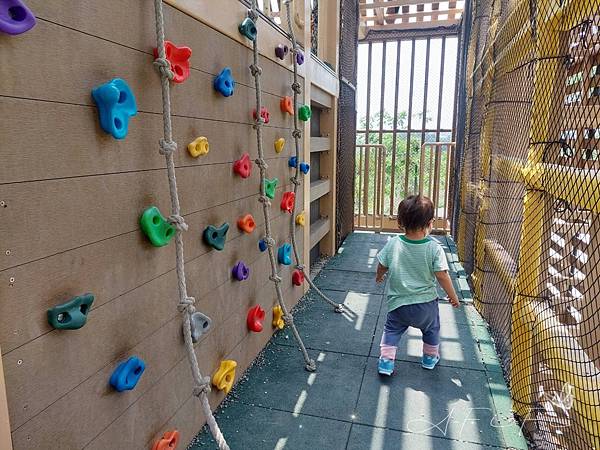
(393, 17)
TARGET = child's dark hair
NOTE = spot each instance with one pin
(415, 212)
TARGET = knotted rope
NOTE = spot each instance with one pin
(258, 123)
(297, 135)
(186, 303)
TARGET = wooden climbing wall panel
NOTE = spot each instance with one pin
(72, 197)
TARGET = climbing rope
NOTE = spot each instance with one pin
(186, 303)
(297, 134)
(256, 71)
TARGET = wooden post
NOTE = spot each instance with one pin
(5, 438)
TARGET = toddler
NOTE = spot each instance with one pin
(413, 261)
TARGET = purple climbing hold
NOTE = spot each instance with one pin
(241, 271)
(281, 51)
(299, 57)
(15, 17)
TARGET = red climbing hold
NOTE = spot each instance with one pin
(264, 113)
(247, 223)
(243, 166)
(287, 202)
(256, 315)
(169, 440)
(179, 58)
(297, 277)
(287, 105)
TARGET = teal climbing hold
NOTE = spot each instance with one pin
(156, 227)
(248, 28)
(71, 315)
(284, 254)
(270, 186)
(215, 237)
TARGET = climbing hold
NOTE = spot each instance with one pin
(200, 325)
(279, 145)
(281, 51)
(116, 104)
(304, 167)
(246, 223)
(248, 28)
(264, 113)
(169, 441)
(215, 237)
(127, 374)
(304, 113)
(262, 245)
(198, 147)
(299, 57)
(224, 377)
(278, 321)
(293, 161)
(270, 186)
(301, 219)
(255, 318)
(243, 166)
(287, 202)
(240, 271)
(224, 83)
(179, 60)
(15, 17)
(297, 277)
(287, 105)
(71, 315)
(284, 254)
(156, 227)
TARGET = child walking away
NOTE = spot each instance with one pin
(413, 262)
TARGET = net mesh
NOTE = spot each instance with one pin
(529, 204)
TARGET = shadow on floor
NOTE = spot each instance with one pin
(462, 404)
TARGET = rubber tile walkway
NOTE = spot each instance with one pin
(345, 405)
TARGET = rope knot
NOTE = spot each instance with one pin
(167, 147)
(275, 278)
(178, 222)
(296, 134)
(295, 181)
(255, 70)
(289, 320)
(258, 123)
(164, 67)
(260, 162)
(253, 15)
(265, 200)
(300, 266)
(203, 388)
(297, 88)
(270, 241)
(187, 305)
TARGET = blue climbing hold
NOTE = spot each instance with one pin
(127, 374)
(262, 245)
(116, 104)
(293, 161)
(224, 83)
(284, 254)
(304, 167)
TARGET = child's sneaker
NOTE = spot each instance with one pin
(385, 366)
(429, 362)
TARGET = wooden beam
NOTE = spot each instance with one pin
(416, 25)
(393, 3)
(419, 14)
(318, 230)
(319, 188)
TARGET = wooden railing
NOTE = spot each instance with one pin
(373, 188)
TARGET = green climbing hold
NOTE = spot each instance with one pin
(304, 113)
(71, 315)
(270, 186)
(156, 227)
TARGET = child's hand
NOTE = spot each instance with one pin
(379, 277)
(454, 301)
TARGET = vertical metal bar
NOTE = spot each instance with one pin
(394, 136)
(425, 89)
(410, 95)
(421, 169)
(381, 113)
(383, 157)
(430, 172)
(441, 88)
(447, 187)
(360, 177)
(436, 179)
(368, 124)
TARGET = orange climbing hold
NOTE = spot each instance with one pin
(169, 440)
(224, 377)
(287, 105)
(246, 223)
(278, 321)
(287, 202)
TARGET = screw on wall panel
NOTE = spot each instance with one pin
(7, 252)
(3, 204)
(11, 281)
(19, 362)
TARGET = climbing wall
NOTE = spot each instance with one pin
(71, 197)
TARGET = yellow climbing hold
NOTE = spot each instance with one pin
(278, 321)
(224, 377)
(279, 144)
(301, 219)
(198, 147)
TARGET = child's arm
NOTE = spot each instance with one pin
(381, 271)
(446, 283)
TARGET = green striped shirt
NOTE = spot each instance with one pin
(411, 270)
